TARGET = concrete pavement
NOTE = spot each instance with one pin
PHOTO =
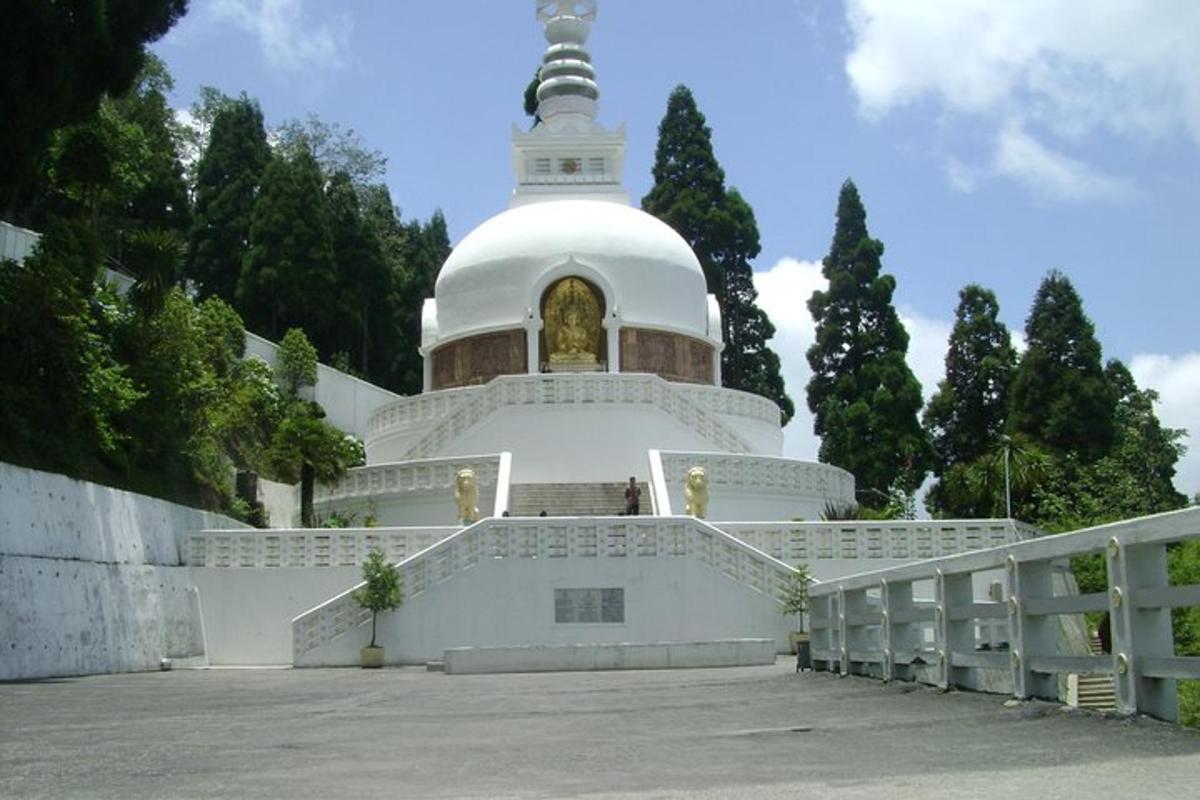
(752, 731)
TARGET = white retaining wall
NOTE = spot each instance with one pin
(348, 401)
(90, 578)
(248, 612)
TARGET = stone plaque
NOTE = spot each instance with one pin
(589, 605)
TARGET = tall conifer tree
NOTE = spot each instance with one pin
(689, 194)
(863, 396)
(289, 273)
(1060, 397)
(966, 416)
(227, 185)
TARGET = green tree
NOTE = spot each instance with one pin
(288, 276)
(1059, 396)
(364, 281)
(337, 150)
(308, 449)
(746, 362)
(57, 61)
(689, 194)
(863, 396)
(414, 255)
(63, 390)
(228, 176)
(384, 590)
(296, 367)
(965, 418)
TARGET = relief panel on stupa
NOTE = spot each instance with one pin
(669, 355)
(572, 336)
(478, 359)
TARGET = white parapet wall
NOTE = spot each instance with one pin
(754, 487)
(251, 583)
(520, 581)
(90, 578)
(415, 493)
(620, 655)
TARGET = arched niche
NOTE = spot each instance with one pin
(572, 336)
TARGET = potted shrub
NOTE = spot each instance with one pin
(384, 591)
(794, 602)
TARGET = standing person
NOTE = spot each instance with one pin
(633, 496)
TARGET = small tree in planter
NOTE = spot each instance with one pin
(794, 602)
(384, 592)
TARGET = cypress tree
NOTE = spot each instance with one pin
(864, 398)
(689, 194)
(288, 277)
(1060, 397)
(363, 279)
(965, 417)
(227, 184)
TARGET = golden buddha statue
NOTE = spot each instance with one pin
(572, 315)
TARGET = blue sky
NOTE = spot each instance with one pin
(991, 141)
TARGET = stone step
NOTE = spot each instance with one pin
(571, 499)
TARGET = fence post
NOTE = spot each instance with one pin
(959, 632)
(941, 635)
(903, 638)
(1139, 633)
(1030, 636)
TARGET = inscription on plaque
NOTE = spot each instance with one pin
(589, 605)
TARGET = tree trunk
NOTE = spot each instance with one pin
(306, 496)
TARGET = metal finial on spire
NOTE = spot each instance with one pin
(568, 80)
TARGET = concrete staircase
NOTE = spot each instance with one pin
(1096, 692)
(572, 499)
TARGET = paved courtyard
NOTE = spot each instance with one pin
(755, 731)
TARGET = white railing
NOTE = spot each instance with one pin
(305, 547)
(552, 538)
(761, 474)
(732, 402)
(866, 540)
(433, 474)
(574, 389)
(420, 409)
(869, 624)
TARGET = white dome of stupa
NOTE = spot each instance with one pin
(645, 270)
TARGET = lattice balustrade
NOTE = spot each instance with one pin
(900, 540)
(305, 547)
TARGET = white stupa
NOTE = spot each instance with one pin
(570, 344)
(574, 334)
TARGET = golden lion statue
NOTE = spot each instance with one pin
(695, 493)
(466, 495)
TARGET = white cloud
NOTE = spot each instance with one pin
(1052, 174)
(783, 293)
(1177, 381)
(1065, 69)
(928, 339)
(289, 39)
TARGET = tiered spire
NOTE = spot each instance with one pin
(568, 80)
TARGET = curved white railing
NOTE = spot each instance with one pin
(799, 542)
(305, 547)
(429, 474)
(566, 538)
(431, 408)
(869, 624)
(576, 389)
(761, 474)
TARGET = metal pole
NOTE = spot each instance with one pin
(1007, 488)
